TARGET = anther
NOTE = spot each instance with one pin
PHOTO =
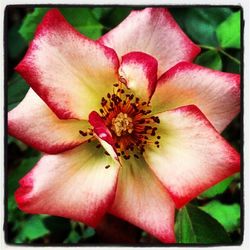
(136, 156)
(141, 121)
(107, 166)
(83, 133)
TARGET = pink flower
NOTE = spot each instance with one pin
(127, 126)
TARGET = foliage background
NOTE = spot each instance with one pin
(214, 217)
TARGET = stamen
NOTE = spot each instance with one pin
(127, 117)
(136, 156)
(83, 133)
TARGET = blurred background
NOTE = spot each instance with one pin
(210, 28)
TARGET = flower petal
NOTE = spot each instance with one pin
(143, 201)
(67, 70)
(216, 93)
(36, 125)
(140, 72)
(153, 31)
(103, 134)
(100, 128)
(78, 184)
(192, 156)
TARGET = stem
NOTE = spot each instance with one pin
(229, 56)
(221, 51)
(207, 47)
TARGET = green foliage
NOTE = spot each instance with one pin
(227, 215)
(228, 32)
(74, 237)
(200, 23)
(16, 43)
(26, 228)
(32, 229)
(210, 59)
(195, 226)
(89, 232)
(81, 18)
(17, 89)
(231, 66)
(115, 16)
(100, 12)
(79, 232)
(30, 23)
(19, 172)
(217, 189)
(84, 21)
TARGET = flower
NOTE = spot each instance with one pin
(128, 124)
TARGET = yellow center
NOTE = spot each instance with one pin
(122, 124)
(128, 119)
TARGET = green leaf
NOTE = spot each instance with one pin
(88, 232)
(217, 189)
(100, 12)
(200, 23)
(17, 89)
(59, 227)
(227, 215)
(195, 226)
(30, 23)
(82, 19)
(210, 59)
(231, 66)
(73, 237)
(117, 15)
(32, 229)
(19, 172)
(228, 32)
(16, 44)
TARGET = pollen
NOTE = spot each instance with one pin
(122, 124)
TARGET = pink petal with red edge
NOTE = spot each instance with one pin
(67, 70)
(155, 32)
(100, 128)
(140, 72)
(143, 201)
(103, 134)
(35, 124)
(192, 156)
(217, 94)
(79, 184)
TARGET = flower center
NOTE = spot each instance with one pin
(122, 124)
(128, 119)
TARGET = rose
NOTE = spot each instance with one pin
(117, 139)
